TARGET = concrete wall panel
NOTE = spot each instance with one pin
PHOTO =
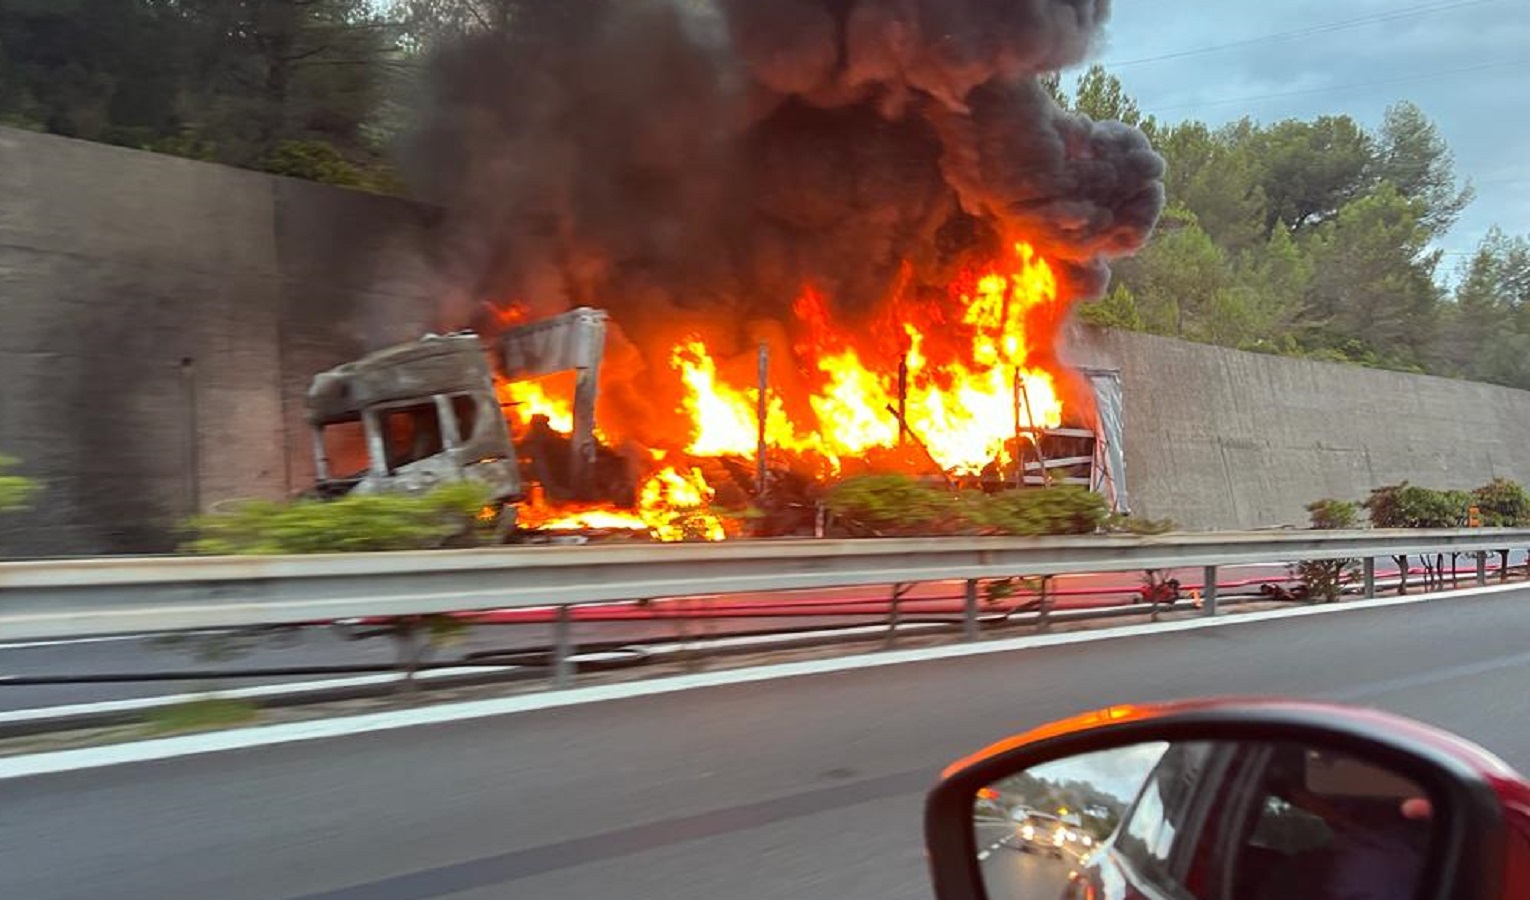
(1218, 438)
(159, 321)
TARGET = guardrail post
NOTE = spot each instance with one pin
(894, 614)
(1044, 614)
(1481, 568)
(970, 611)
(1209, 592)
(563, 648)
(1368, 568)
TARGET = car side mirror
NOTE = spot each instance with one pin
(1254, 800)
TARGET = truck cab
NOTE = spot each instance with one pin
(410, 418)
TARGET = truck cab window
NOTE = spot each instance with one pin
(345, 447)
(411, 433)
(465, 408)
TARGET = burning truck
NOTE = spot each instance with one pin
(414, 416)
(463, 407)
(828, 237)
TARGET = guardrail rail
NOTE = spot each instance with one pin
(80, 598)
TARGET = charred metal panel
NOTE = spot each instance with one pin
(575, 340)
(1110, 452)
(435, 364)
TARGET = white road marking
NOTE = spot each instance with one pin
(65, 642)
(988, 851)
(45, 713)
(294, 732)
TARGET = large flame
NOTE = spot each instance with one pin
(525, 400)
(965, 405)
(970, 394)
(673, 505)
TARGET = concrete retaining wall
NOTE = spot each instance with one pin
(1219, 438)
(160, 320)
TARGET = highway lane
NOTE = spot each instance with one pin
(809, 787)
(1011, 874)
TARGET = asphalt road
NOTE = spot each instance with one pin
(803, 788)
(1010, 873)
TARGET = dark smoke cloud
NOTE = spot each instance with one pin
(692, 163)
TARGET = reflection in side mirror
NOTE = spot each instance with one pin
(1203, 819)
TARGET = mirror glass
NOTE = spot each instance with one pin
(1203, 820)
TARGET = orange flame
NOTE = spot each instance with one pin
(672, 506)
(725, 420)
(963, 407)
(525, 400)
(970, 390)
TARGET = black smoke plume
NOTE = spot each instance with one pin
(694, 163)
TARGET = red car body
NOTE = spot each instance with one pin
(1491, 800)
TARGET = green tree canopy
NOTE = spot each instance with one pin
(245, 82)
(1318, 237)
(1100, 96)
(1373, 288)
(1311, 170)
(1414, 158)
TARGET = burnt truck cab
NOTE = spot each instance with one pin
(410, 418)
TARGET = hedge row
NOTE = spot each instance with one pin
(1500, 504)
(888, 505)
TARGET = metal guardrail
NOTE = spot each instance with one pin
(76, 598)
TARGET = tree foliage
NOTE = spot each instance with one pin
(894, 504)
(1062, 509)
(1317, 238)
(1100, 96)
(234, 81)
(1309, 171)
(1413, 157)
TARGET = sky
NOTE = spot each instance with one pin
(1466, 63)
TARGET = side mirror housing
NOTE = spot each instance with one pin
(1229, 798)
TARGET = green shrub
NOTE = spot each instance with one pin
(899, 505)
(1325, 578)
(1409, 506)
(350, 524)
(1331, 515)
(1063, 509)
(895, 504)
(1127, 524)
(1502, 503)
(16, 491)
